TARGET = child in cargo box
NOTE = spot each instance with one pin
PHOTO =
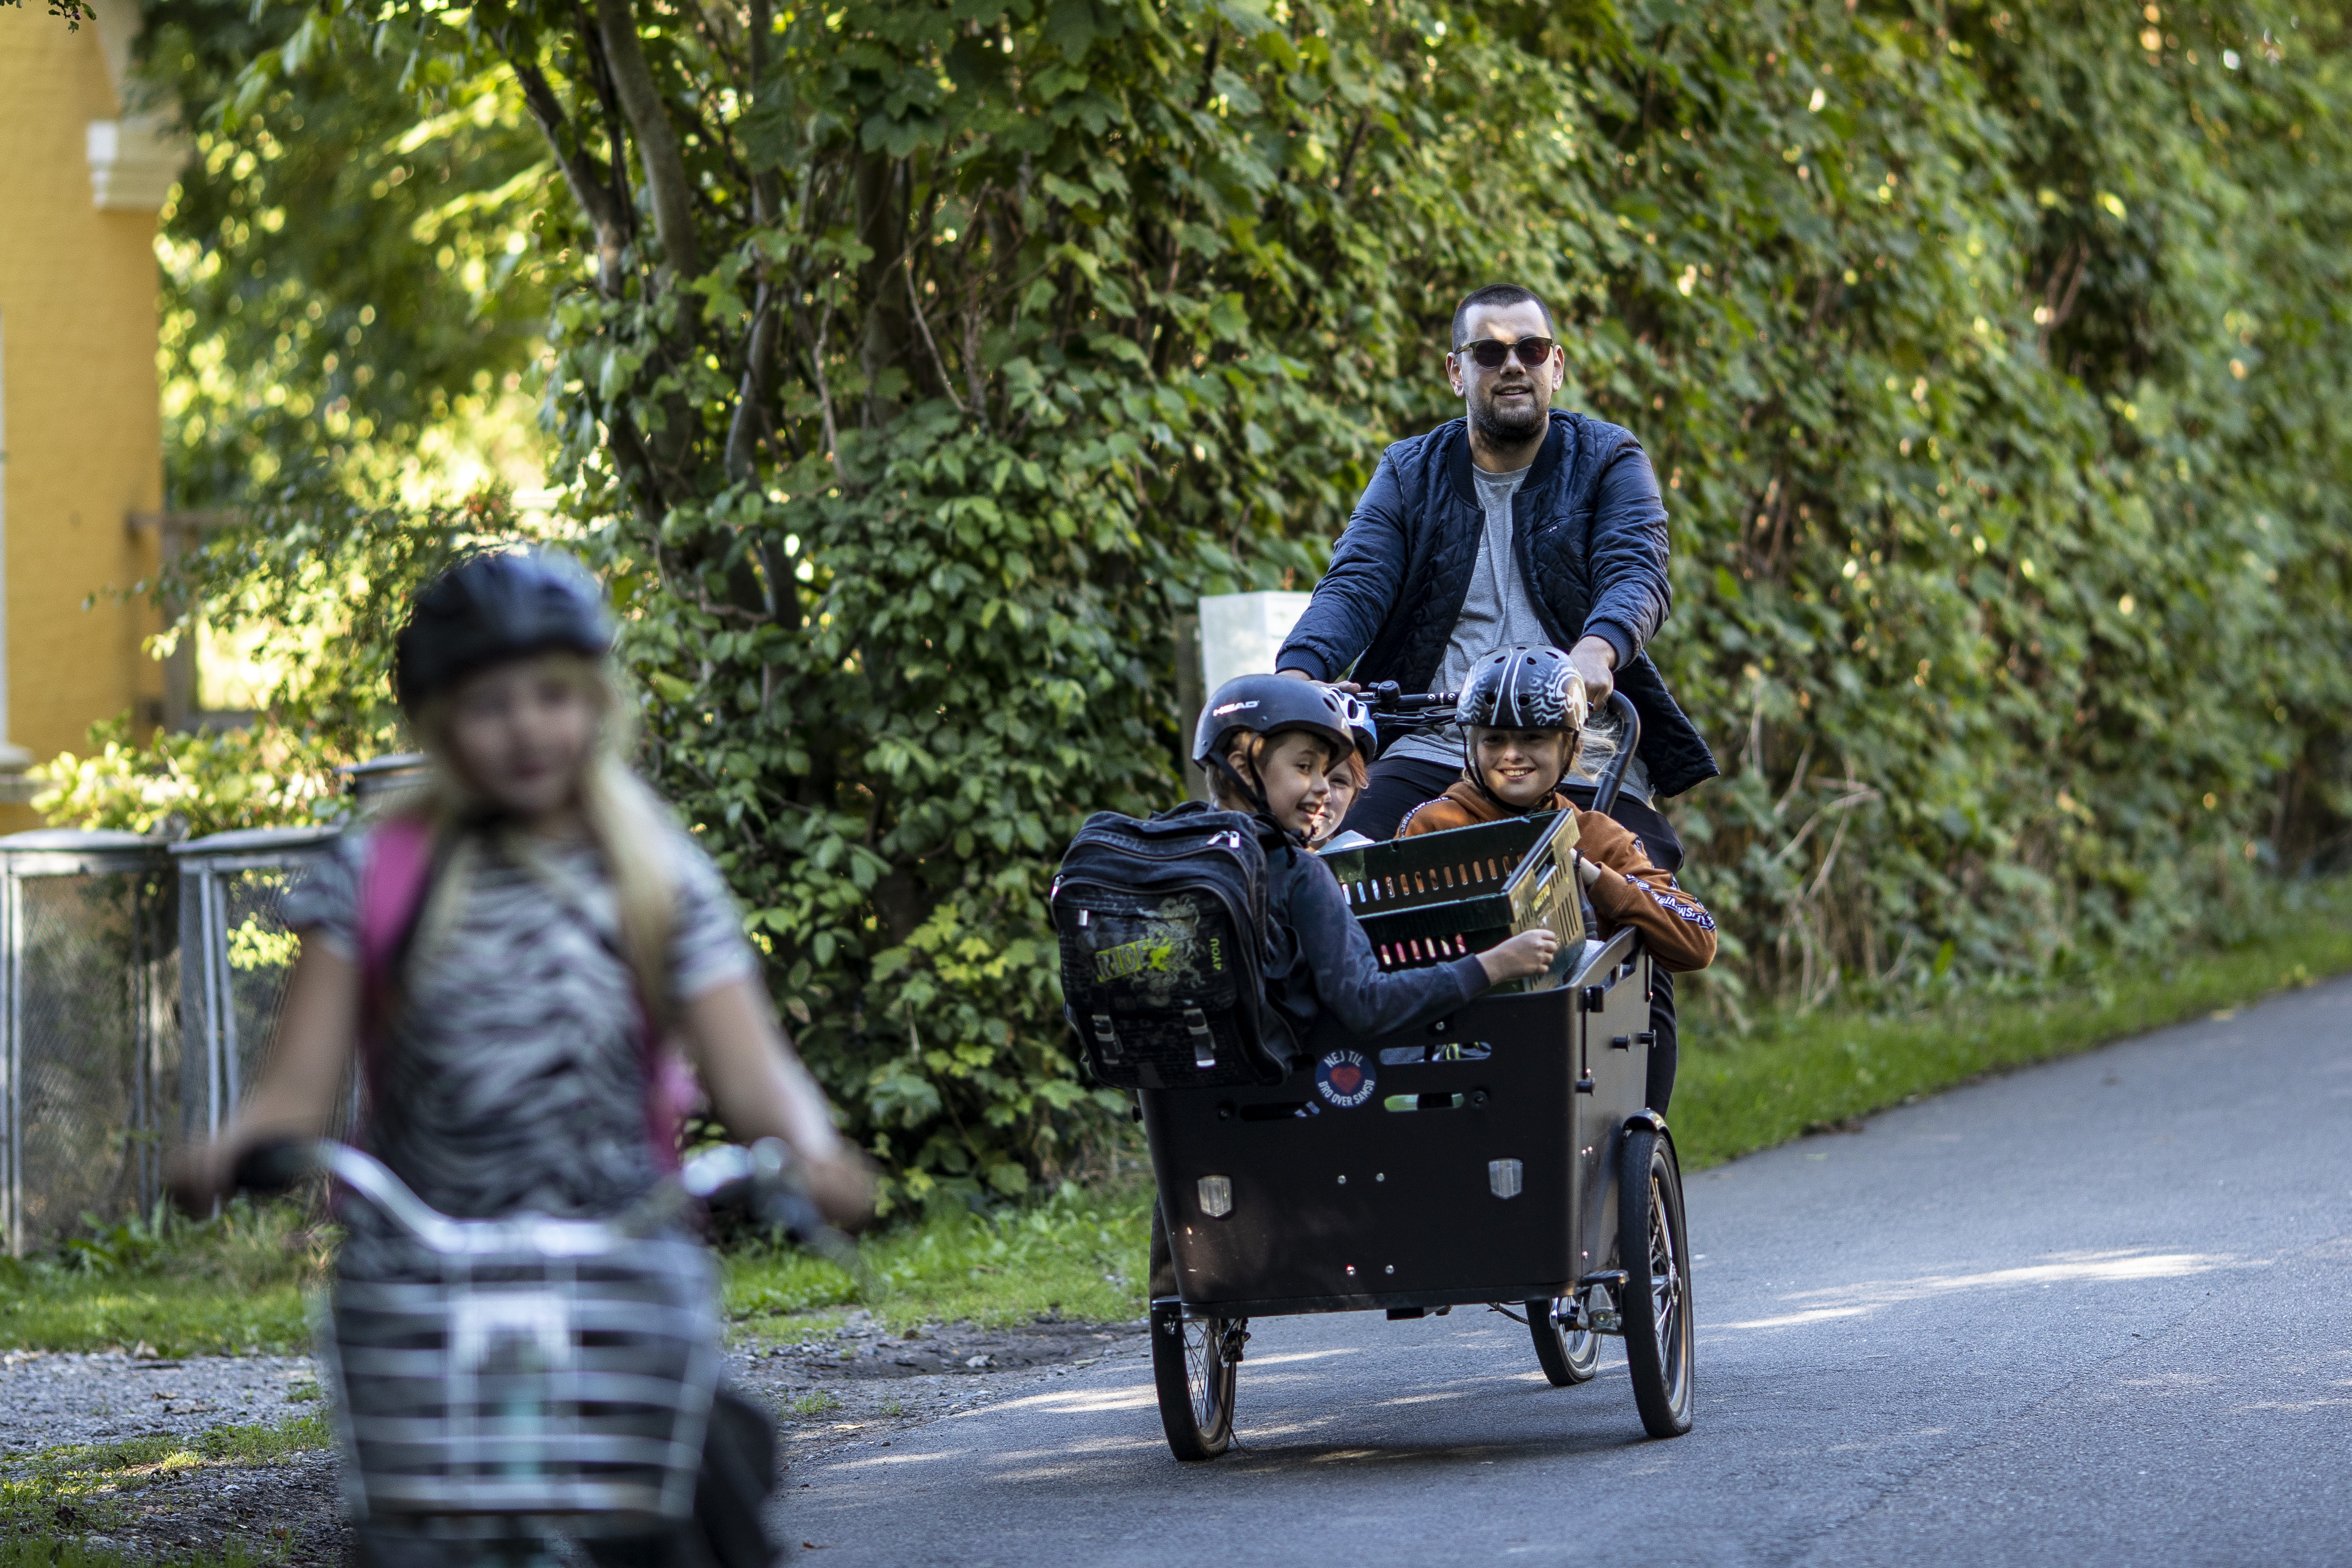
(1269, 745)
(1348, 777)
(1522, 712)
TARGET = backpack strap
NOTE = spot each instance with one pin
(395, 877)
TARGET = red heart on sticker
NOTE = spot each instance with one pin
(1346, 1078)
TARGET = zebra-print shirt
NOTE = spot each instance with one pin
(514, 1078)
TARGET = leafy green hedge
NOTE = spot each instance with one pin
(912, 366)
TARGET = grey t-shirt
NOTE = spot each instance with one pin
(514, 1074)
(1498, 612)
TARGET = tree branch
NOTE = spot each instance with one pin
(657, 147)
(583, 175)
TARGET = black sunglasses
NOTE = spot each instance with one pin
(1491, 355)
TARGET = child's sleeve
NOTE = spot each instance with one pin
(323, 905)
(1349, 981)
(1633, 892)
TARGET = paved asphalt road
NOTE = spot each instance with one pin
(2093, 1313)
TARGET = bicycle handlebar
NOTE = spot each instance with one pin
(1427, 708)
(761, 1174)
(1388, 698)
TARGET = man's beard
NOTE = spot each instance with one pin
(1507, 428)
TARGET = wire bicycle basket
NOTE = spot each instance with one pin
(520, 1374)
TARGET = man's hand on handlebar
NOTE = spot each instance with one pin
(1595, 658)
(1523, 957)
(1348, 686)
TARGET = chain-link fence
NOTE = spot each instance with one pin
(90, 1058)
(237, 956)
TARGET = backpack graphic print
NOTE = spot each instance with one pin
(1163, 925)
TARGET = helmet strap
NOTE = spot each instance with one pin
(1254, 793)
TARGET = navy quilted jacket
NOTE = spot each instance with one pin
(1590, 534)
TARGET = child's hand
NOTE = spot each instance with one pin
(1523, 957)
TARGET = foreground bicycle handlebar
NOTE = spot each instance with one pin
(762, 1175)
(527, 1374)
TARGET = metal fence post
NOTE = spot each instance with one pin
(78, 931)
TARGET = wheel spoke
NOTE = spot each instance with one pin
(1666, 1279)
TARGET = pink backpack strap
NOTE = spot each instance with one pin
(392, 888)
(394, 878)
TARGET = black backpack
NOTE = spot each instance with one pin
(1164, 930)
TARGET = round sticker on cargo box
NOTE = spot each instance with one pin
(1345, 1078)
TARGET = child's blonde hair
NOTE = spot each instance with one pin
(628, 821)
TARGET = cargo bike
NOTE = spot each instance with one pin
(1502, 1155)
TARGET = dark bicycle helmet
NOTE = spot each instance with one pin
(493, 609)
(1266, 705)
(1360, 725)
(1522, 688)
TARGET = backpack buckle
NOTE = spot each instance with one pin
(1204, 1045)
(1106, 1036)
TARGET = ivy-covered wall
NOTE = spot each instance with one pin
(912, 365)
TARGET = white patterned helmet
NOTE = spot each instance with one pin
(1522, 689)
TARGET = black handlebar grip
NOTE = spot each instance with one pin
(268, 1169)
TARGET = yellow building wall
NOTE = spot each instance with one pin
(77, 394)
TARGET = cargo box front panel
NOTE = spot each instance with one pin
(1421, 1169)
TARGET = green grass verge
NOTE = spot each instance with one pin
(1793, 1073)
(34, 1551)
(1078, 1253)
(174, 1287)
(49, 1499)
(235, 1283)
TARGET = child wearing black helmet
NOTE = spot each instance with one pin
(1522, 711)
(1268, 743)
(507, 958)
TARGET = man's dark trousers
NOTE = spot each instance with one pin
(1400, 783)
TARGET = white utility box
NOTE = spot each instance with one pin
(1241, 633)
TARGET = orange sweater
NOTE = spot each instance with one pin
(1631, 892)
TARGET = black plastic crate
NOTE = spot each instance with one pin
(1437, 897)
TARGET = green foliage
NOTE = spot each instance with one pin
(1995, 355)
(201, 781)
(349, 288)
(1796, 1072)
(913, 364)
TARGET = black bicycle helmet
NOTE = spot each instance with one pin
(493, 609)
(1522, 688)
(1362, 726)
(1267, 705)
